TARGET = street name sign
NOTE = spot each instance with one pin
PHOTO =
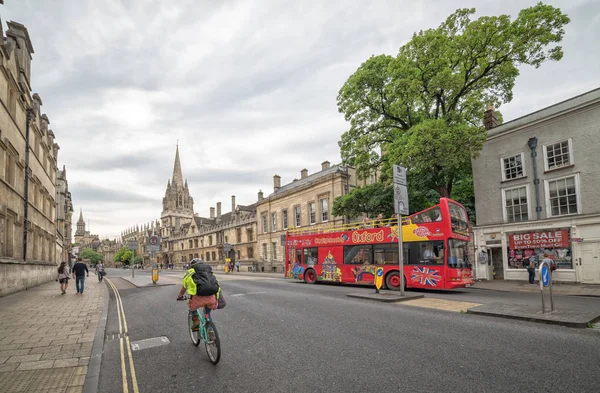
(400, 191)
(132, 244)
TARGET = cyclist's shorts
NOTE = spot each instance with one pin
(203, 301)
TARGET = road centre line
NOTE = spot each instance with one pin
(123, 329)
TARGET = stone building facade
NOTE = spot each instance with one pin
(141, 233)
(108, 249)
(26, 217)
(304, 202)
(64, 216)
(186, 235)
(84, 238)
(208, 238)
(537, 188)
(177, 213)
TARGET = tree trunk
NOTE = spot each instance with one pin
(443, 191)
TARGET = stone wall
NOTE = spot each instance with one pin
(18, 276)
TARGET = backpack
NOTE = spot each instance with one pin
(206, 282)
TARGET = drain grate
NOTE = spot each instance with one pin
(149, 343)
(115, 336)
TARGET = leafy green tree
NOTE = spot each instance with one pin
(119, 255)
(423, 109)
(93, 256)
(138, 259)
(126, 257)
(371, 200)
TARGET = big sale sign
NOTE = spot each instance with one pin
(545, 239)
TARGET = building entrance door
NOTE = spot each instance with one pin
(497, 263)
(589, 264)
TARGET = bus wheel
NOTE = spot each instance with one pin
(392, 281)
(310, 276)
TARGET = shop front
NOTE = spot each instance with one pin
(572, 246)
(533, 247)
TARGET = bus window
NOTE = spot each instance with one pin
(358, 255)
(427, 253)
(311, 256)
(386, 254)
(458, 254)
(298, 256)
(430, 215)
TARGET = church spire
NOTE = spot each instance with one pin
(177, 175)
(80, 216)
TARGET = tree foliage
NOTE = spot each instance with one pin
(126, 257)
(371, 200)
(423, 108)
(119, 255)
(93, 256)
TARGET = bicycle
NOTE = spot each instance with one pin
(207, 332)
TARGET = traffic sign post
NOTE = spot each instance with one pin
(546, 281)
(153, 246)
(378, 279)
(401, 208)
(132, 245)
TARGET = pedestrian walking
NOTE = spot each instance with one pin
(63, 277)
(80, 270)
(237, 265)
(100, 270)
(531, 271)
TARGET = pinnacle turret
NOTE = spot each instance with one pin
(177, 174)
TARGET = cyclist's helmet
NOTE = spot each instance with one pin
(195, 261)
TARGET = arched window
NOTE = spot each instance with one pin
(180, 200)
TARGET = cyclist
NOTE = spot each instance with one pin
(203, 294)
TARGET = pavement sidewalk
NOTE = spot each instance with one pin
(564, 289)
(46, 338)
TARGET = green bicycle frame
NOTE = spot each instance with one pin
(202, 329)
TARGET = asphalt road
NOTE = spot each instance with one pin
(282, 336)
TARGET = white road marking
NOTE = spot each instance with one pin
(244, 294)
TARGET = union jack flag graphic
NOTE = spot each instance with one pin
(425, 276)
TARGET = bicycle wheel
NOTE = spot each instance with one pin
(194, 335)
(213, 344)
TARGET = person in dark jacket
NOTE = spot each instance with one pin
(80, 270)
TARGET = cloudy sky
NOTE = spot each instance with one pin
(247, 87)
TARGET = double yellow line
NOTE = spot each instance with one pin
(123, 331)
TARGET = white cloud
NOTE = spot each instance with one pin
(247, 87)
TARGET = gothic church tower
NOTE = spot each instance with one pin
(178, 204)
(80, 232)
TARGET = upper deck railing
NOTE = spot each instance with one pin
(366, 224)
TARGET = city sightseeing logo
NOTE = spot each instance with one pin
(422, 232)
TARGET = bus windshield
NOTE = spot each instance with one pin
(458, 218)
(458, 254)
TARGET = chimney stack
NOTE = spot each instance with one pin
(276, 183)
(490, 120)
(232, 203)
(218, 209)
(212, 212)
(303, 173)
(260, 195)
(325, 165)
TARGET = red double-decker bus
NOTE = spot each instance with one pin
(435, 247)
